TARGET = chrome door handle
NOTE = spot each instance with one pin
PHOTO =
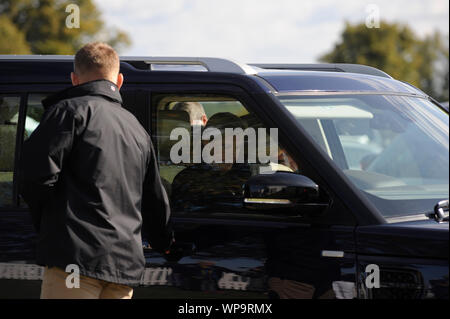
(333, 253)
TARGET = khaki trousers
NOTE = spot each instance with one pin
(54, 287)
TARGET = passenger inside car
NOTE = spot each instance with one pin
(205, 183)
(195, 110)
(218, 183)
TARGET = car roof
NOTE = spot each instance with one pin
(272, 77)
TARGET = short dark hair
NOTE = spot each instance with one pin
(98, 58)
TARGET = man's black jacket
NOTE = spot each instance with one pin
(90, 177)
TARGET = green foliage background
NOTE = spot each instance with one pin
(397, 50)
(39, 27)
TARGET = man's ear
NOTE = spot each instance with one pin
(74, 78)
(119, 80)
(204, 119)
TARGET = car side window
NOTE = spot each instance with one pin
(208, 146)
(34, 113)
(9, 115)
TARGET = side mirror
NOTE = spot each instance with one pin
(292, 193)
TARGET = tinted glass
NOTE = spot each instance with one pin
(9, 117)
(34, 114)
(204, 168)
(35, 110)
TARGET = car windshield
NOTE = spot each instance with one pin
(394, 148)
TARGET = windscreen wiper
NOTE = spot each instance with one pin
(441, 211)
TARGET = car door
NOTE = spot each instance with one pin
(20, 113)
(222, 249)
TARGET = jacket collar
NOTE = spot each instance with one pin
(103, 88)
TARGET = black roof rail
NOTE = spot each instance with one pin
(330, 67)
(215, 64)
(148, 62)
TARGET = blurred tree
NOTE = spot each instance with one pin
(444, 69)
(434, 66)
(12, 39)
(395, 49)
(39, 27)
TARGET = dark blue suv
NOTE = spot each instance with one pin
(352, 202)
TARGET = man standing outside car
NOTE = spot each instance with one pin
(90, 177)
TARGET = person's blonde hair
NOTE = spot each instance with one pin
(97, 58)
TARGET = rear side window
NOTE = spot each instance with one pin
(9, 128)
(9, 117)
(35, 111)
